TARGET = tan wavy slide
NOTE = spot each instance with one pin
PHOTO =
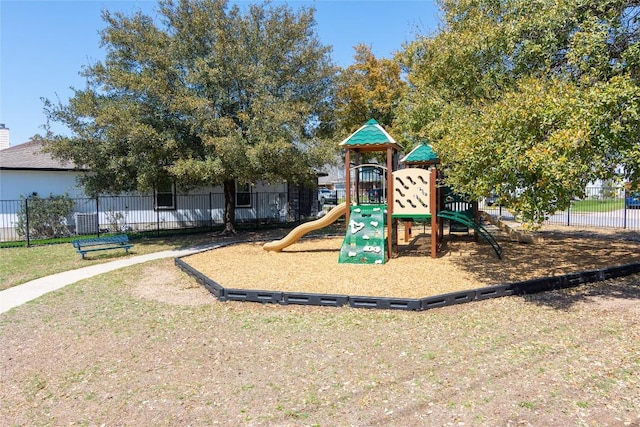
(295, 234)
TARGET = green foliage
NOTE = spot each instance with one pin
(213, 95)
(529, 99)
(370, 88)
(44, 218)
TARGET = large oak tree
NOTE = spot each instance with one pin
(201, 94)
(531, 99)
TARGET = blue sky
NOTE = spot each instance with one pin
(45, 44)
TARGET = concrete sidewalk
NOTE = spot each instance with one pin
(18, 295)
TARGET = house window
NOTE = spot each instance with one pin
(166, 196)
(243, 195)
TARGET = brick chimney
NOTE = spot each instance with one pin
(4, 136)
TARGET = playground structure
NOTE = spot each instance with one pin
(378, 200)
(379, 197)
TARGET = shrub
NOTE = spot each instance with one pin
(46, 217)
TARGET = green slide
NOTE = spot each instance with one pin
(364, 241)
(465, 220)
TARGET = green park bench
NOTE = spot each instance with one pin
(120, 241)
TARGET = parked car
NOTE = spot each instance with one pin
(633, 200)
(491, 199)
(326, 196)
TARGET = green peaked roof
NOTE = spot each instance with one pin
(370, 134)
(423, 153)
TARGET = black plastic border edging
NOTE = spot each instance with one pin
(519, 288)
(385, 303)
(210, 285)
(573, 279)
(314, 299)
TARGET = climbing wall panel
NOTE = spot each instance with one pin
(411, 192)
(364, 241)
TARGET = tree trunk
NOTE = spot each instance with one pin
(229, 207)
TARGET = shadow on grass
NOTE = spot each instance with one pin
(609, 293)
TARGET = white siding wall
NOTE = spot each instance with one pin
(14, 183)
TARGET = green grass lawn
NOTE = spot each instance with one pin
(592, 205)
(22, 264)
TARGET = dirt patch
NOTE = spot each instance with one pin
(621, 295)
(612, 304)
(164, 283)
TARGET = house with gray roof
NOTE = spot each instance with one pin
(26, 169)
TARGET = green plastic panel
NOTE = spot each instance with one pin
(364, 241)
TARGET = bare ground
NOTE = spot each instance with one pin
(148, 346)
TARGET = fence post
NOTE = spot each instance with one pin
(26, 210)
(210, 210)
(624, 210)
(97, 215)
(256, 208)
(569, 214)
(157, 220)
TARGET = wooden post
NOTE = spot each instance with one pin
(389, 205)
(347, 184)
(433, 202)
(476, 219)
(407, 230)
(356, 176)
(440, 206)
